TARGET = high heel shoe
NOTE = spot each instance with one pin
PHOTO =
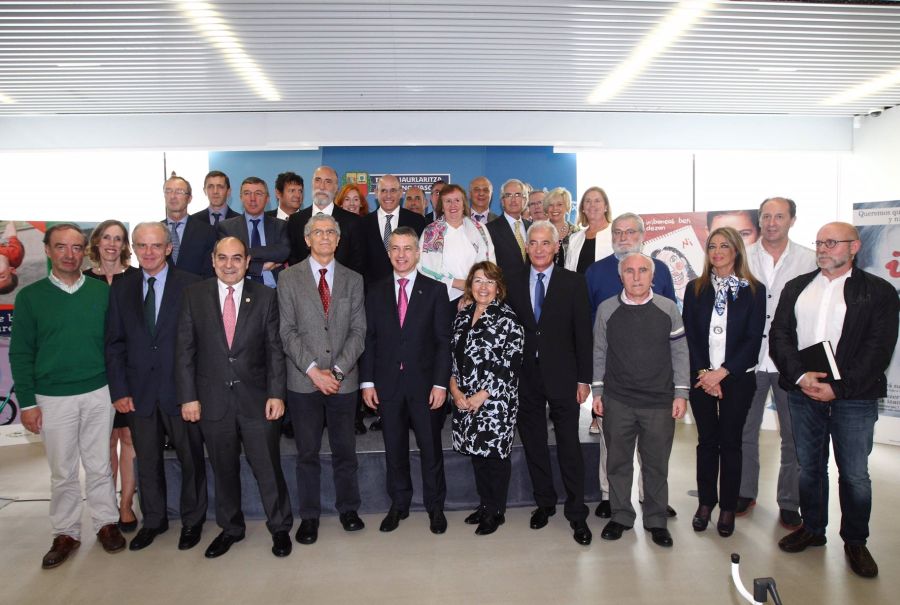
(725, 526)
(701, 518)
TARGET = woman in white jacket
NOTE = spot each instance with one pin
(594, 241)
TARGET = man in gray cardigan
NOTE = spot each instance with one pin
(639, 391)
(323, 329)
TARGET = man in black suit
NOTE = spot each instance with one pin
(140, 363)
(289, 193)
(217, 187)
(265, 236)
(378, 226)
(552, 304)
(350, 247)
(508, 230)
(404, 372)
(481, 190)
(230, 376)
(192, 237)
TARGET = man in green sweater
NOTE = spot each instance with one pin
(57, 360)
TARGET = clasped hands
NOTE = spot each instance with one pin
(814, 389)
(710, 381)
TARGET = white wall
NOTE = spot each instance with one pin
(872, 173)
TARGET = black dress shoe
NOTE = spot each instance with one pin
(281, 544)
(604, 510)
(613, 531)
(701, 518)
(391, 520)
(725, 526)
(221, 544)
(790, 519)
(308, 532)
(475, 517)
(190, 537)
(800, 540)
(670, 512)
(660, 536)
(582, 532)
(489, 524)
(541, 515)
(438, 522)
(376, 425)
(351, 521)
(744, 505)
(145, 537)
(861, 561)
(360, 427)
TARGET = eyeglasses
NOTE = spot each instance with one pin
(831, 243)
(321, 232)
(175, 191)
(484, 282)
(628, 232)
(518, 196)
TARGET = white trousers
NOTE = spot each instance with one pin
(76, 429)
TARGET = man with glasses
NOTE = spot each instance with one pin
(480, 192)
(193, 237)
(217, 187)
(856, 313)
(378, 226)
(508, 231)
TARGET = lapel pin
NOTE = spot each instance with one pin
(246, 300)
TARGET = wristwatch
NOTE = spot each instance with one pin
(338, 375)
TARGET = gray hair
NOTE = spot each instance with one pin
(642, 255)
(525, 188)
(626, 217)
(404, 230)
(543, 225)
(154, 225)
(318, 218)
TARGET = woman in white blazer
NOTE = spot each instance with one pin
(594, 240)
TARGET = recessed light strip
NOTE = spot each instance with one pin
(6, 100)
(673, 25)
(888, 80)
(213, 27)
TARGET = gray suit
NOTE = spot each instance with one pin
(335, 341)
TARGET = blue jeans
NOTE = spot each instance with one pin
(850, 424)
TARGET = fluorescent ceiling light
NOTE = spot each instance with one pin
(6, 100)
(205, 18)
(892, 78)
(673, 25)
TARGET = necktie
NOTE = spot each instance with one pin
(387, 230)
(176, 241)
(538, 296)
(216, 217)
(402, 300)
(150, 306)
(255, 241)
(229, 316)
(517, 227)
(479, 218)
(324, 292)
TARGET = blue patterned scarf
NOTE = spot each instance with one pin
(723, 285)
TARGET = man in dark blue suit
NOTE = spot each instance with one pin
(378, 225)
(265, 236)
(217, 187)
(140, 355)
(192, 237)
(404, 372)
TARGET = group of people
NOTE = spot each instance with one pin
(234, 321)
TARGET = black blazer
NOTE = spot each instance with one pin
(377, 263)
(867, 339)
(277, 246)
(204, 214)
(563, 337)
(506, 248)
(195, 250)
(244, 376)
(422, 345)
(139, 365)
(350, 247)
(743, 334)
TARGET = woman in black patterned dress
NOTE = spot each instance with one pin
(487, 355)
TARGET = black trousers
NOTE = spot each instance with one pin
(398, 417)
(492, 476)
(148, 435)
(532, 425)
(259, 438)
(720, 429)
(310, 412)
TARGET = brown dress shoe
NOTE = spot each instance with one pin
(111, 538)
(62, 547)
(861, 561)
(800, 540)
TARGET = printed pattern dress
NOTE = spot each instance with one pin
(487, 356)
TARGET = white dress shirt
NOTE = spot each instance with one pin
(223, 293)
(820, 311)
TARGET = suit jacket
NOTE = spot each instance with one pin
(490, 215)
(506, 248)
(195, 249)
(421, 346)
(377, 264)
(277, 246)
(140, 365)
(743, 333)
(204, 214)
(309, 336)
(563, 337)
(246, 374)
(274, 213)
(350, 250)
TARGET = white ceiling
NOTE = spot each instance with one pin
(478, 55)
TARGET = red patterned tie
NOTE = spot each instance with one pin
(324, 292)
(402, 300)
(229, 316)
